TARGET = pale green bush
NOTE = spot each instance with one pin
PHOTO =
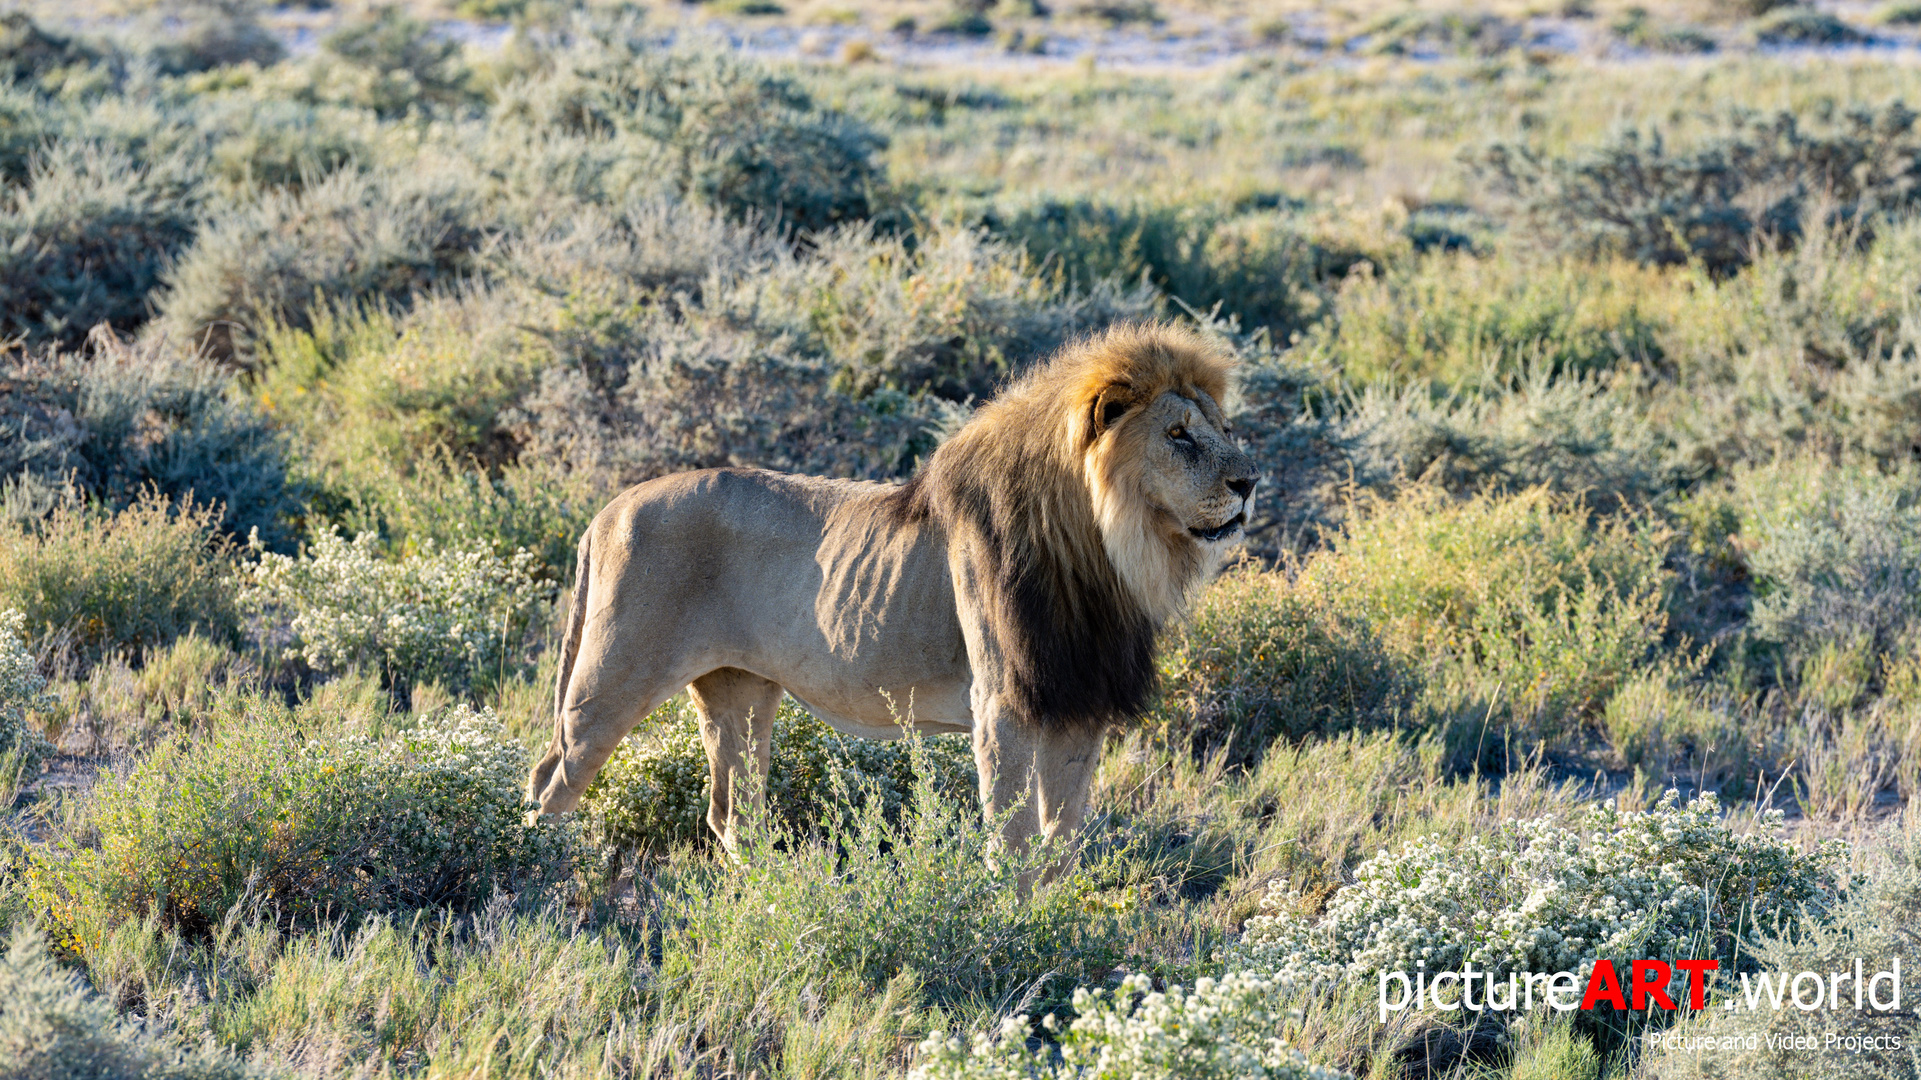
(1223, 1029)
(652, 795)
(91, 583)
(1529, 600)
(1836, 559)
(87, 237)
(1545, 897)
(310, 825)
(1260, 661)
(118, 419)
(21, 688)
(925, 893)
(452, 615)
(52, 1027)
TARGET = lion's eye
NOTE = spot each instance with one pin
(1180, 435)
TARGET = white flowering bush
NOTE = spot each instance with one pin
(444, 614)
(1536, 896)
(652, 794)
(1227, 1028)
(21, 688)
(310, 828)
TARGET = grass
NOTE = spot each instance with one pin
(1550, 519)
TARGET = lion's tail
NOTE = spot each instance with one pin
(570, 646)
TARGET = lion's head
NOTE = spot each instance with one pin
(1092, 497)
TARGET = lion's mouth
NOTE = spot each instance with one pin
(1221, 532)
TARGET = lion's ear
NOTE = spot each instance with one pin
(1109, 406)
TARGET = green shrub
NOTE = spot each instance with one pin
(32, 55)
(1260, 661)
(953, 311)
(1835, 554)
(1573, 435)
(1798, 25)
(1636, 28)
(205, 34)
(652, 795)
(402, 64)
(729, 132)
(52, 1027)
(1869, 924)
(22, 749)
(1898, 13)
(534, 507)
(1544, 897)
(1223, 1028)
(90, 582)
(457, 616)
(347, 239)
(1261, 268)
(1415, 30)
(119, 419)
(927, 893)
(302, 826)
(86, 238)
(1473, 322)
(1525, 599)
(1758, 178)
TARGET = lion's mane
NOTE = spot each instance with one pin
(1071, 576)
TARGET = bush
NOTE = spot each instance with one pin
(1260, 661)
(1871, 924)
(731, 133)
(86, 238)
(1577, 436)
(120, 419)
(1898, 13)
(1797, 25)
(457, 616)
(302, 827)
(1471, 32)
(1262, 269)
(32, 55)
(930, 895)
(652, 794)
(22, 749)
(1543, 897)
(206, 34)
(1485, 323)
(402, 64)
(1223, 1028)
(1835, 554)
(534, 507)
(90, 582)
(347, 239)
(52, 1027)
(1523, 599)
(1762, 177)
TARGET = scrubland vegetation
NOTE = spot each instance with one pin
(1581, 617)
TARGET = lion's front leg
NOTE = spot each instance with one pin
(1043, 777)
(736, 712)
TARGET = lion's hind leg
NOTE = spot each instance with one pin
(736, 716)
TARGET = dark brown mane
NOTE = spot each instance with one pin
(1076, 646)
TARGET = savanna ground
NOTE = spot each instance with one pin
(1586, 389)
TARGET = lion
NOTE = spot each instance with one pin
(1012, 589)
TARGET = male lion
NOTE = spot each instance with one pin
(1013, 589)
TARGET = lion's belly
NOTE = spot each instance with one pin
(850, 611)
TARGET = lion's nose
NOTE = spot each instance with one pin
(1242, 487)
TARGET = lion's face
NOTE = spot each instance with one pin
(1172, 492)
(1192, 470)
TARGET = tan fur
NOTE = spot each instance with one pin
(1013, 588)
